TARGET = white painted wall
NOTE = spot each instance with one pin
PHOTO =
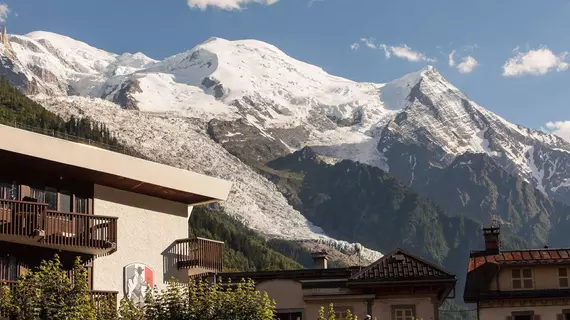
(147, 227)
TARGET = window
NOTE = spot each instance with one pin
(64, 202)
(59, 200)
(563, 277)
(8, 269)
(8, 191)
(289, 315)
(51, 198)
(341, 312)
(523, 315)
(403, 312)
(565, 315)
(522, 278)
(81, 205)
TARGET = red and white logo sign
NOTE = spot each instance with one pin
(138, 279)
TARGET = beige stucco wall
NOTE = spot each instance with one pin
(382, 308)
(545, 313)
(288, 295)
(147, 227)
(545, 277)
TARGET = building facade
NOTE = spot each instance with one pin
(127, 218)
(518, 285)
(399, 286)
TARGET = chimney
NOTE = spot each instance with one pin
(492, 240)
(320, 259)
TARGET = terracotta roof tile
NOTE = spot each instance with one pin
(532, 256)
(517, 256)
(526, 255)
(535, 255)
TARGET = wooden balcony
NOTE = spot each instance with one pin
(199, 255)
(99, 297)
(33, 224)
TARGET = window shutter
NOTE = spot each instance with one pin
(536, 317)
(509, 318)
(559, 317)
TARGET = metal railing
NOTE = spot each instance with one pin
(31, 219)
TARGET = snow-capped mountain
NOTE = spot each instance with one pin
(198, 109)
(446, 123)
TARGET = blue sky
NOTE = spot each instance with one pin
(536, 90)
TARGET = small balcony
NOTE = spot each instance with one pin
(99, 297)
(199, 255)
(32, 223)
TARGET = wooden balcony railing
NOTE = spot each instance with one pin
(22, 221)
(199, 253)
(99, 297)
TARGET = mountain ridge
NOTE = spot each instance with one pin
(246, 103)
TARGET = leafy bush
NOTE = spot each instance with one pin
(200, 300)
(49, 293)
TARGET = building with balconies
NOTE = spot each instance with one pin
(126, 217)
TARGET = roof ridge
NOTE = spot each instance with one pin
(412, 257)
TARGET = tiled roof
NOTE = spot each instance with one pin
(531, 256)
(401, 265)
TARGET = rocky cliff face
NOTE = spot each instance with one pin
(228, 108)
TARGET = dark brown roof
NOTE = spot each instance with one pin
(400, 265)
(520, 257)
(301, 274)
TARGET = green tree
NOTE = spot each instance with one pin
(6, 305)
(200, 300)
(106, 308)
(50, 292)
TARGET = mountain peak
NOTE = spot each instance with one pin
(395, 93)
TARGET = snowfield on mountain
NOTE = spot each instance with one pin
(164, 109)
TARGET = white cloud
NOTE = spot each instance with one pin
(311, 2)
(226, 4)
(402, 52)
(451, 59)
(467, 65)
(4, 11)
(559, 128)
(355, 46)
(368, 42)
(535, 62)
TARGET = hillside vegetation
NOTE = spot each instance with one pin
(244, 250)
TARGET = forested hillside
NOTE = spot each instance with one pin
(244, 250)
(17, 110)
